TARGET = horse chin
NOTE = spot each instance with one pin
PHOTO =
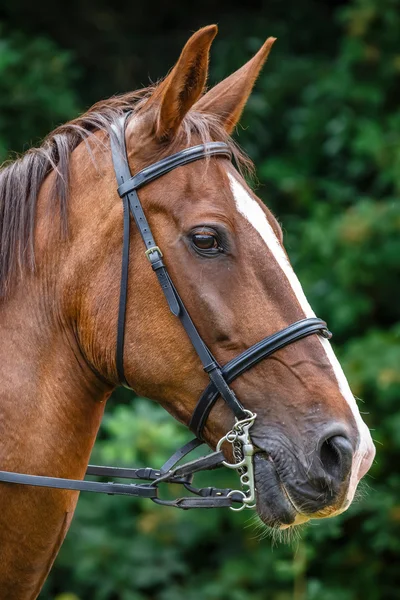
(274, 506)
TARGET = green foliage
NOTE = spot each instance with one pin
(36, 91)
(323, 127)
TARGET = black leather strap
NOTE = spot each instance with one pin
(210, 365)
(165, 283)
(145, 473)
(118, 151)
(123, 296)
(214, 492)
(118, 489)
(132, 203)
(183, 474)
(205, 463)
(179, 454)
(273, 343)
(184, 157)
(207, 497)
(249, 358)
(188, 503)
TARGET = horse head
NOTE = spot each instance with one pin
(224, 251)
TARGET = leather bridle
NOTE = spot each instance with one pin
(220, 376)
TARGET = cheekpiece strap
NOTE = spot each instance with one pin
(127, 189)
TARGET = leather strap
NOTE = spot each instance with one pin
(210, 365)
(207, 497)
(187, 503)
(179, 454)
(205, 463)
(250, 357)
(118, 489)
(123, 296)
(269, 345)
(145, 473)
(184, 157)
(118, 151)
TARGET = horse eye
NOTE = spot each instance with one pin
(205, 241)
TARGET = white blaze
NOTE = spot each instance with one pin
(253, 213)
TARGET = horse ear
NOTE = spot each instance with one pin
(227, 99)
(185, 83)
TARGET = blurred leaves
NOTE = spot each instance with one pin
(36, 90)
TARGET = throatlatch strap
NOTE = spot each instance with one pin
(123, 296)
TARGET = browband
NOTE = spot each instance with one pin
(184, 157)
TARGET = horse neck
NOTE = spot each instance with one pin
(50, 411)
(50, 397)
(51, 404)
(50, 401)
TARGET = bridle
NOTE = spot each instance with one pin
(220, 376)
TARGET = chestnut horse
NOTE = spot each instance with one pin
(60, 260)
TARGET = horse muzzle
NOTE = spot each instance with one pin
(290, 489)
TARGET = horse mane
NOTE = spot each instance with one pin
(21, 179)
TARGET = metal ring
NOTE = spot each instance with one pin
(251, 417)
(235, 466)
(243, 501)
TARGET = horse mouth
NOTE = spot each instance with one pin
(300, 518)
(275, 507)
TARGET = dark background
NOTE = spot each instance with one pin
(323, 127)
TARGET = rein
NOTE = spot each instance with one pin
(220, 376)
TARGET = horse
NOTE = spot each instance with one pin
(60, 260)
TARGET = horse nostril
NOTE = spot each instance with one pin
(336, 454)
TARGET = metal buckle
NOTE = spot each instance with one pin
(243, 451)
(152, 250)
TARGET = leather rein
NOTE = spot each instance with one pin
(220, 376)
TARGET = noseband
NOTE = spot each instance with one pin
(220, 376)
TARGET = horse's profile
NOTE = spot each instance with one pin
(61, 240)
